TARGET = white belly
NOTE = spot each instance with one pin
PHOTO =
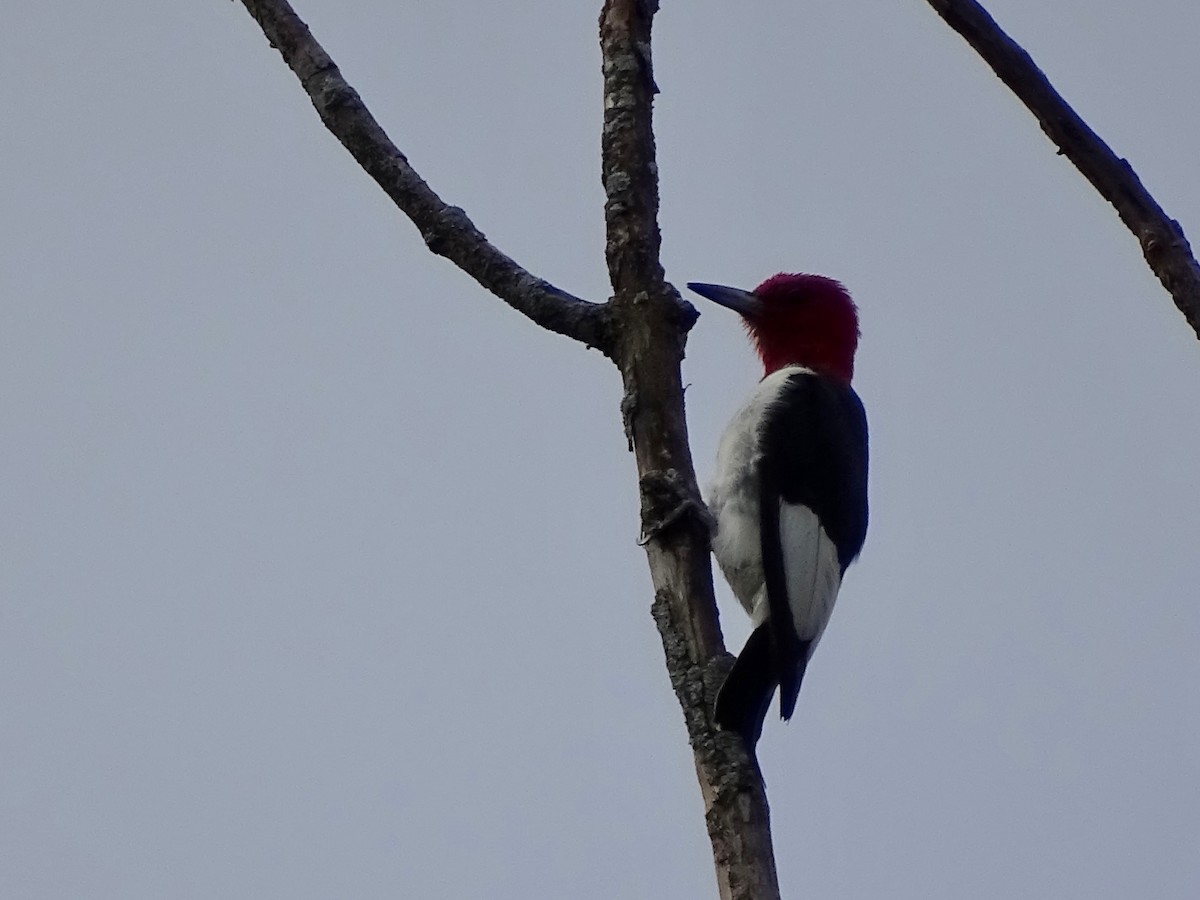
(811, 565)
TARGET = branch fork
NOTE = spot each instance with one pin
(644, 327)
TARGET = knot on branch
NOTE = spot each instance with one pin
(669, 501)
(327, 89)
(451, 222)
(686, 312)
(1159, 244)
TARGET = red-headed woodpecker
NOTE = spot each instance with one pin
(790, 492)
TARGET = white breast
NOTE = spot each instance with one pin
(811, 562)
(732, 496)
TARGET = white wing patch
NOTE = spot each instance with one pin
(811, 567)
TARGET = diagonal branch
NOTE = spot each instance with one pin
(651, 324)
(446, 229)
(1163, 242)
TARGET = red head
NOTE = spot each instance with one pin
(804, 320)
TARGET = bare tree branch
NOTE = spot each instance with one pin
(1163, 242)
(644, 330)
(651, 324)
(446, 229)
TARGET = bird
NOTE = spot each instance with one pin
(789, 494)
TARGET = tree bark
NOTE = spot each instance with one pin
(651, 324)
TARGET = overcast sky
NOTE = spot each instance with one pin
(318, 563)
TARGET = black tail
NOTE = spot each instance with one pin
(794, 666)
(745, 697)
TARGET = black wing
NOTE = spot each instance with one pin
(815, 453)
(814, 447)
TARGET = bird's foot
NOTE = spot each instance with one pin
(667, 501)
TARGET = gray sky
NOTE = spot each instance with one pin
(318, 563)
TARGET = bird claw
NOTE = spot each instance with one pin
(667, 501)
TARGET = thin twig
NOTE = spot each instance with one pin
(446, 229)
(651, 324)
(1162, 239)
